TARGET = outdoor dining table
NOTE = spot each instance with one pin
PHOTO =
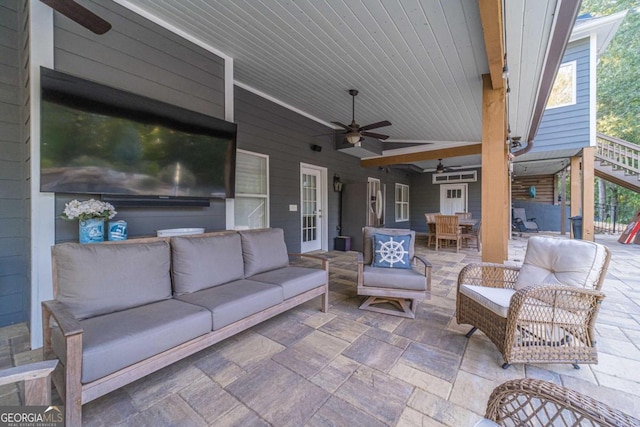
(468, 223)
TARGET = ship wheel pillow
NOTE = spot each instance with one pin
(391, 251)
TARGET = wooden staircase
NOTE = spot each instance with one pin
(618, 161)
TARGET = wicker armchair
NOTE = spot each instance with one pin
(530, 402)
(542, 312)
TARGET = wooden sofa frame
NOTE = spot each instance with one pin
(67, 376)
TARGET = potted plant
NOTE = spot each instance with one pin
(91, 215)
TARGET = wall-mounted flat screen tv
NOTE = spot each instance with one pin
(96, 139)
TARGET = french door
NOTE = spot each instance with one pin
(313, 196)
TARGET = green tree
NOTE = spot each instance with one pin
(618, 89)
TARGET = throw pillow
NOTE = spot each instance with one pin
(391, 251)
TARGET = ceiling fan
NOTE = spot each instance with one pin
(80, 15)
(354, 133)
(442, 168)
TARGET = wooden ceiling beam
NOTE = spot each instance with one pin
(492, 28)
(445, 153)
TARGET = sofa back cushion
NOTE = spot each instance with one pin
(263, 250)
(367, 240)
(556, 261)
(101, 278)
(200, 262)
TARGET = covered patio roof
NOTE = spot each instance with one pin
(417, 64)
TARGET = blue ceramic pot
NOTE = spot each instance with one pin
(91, 230)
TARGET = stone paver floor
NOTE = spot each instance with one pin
(350, 367)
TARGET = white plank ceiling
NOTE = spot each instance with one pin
(416, 63)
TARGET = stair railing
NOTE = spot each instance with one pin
(620, 154)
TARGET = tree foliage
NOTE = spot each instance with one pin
(618, 85)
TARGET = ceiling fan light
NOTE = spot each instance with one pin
(353, 137)
(440, 168)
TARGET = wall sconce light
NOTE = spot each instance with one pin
(337, 184)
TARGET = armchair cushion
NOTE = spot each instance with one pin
(393, 278)
(263, 250)
(555, 261)
(495, 299)
(201, 262)
(391, 251)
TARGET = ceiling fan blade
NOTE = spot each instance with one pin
(79, 14)
(376, 125)
(341, 125)
(375, 135)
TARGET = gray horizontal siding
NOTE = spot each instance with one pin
(286, 137)
(568, 127)
(14, 288)
(139, 56)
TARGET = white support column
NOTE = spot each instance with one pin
(42, 205)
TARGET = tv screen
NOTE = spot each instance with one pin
(100, 140)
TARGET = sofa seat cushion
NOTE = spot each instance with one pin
(101, 278)
(234, 301)
(395, 278)
(496, 300)
(117, 340)
(263, 250)
(293, 280)
(200, 262)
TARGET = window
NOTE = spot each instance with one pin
(252, 190)
(563, 92)
(402, 202)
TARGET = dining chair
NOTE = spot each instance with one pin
(431, 225)
(447, 228)
(463, 215)
(472, 234)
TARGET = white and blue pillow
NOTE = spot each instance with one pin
(391, 251)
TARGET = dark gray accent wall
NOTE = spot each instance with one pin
(568, 127)
(547, 216)
(141, 57)
(424, 197)
(14, 286)
(286, 137)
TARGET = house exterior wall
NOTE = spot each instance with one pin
(14, 258)
(286, 137)
(425, 197)
(568, 127)
(141, 57)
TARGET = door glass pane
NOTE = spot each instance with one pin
(309, 207)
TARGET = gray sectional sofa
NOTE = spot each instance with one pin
(123, 310)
